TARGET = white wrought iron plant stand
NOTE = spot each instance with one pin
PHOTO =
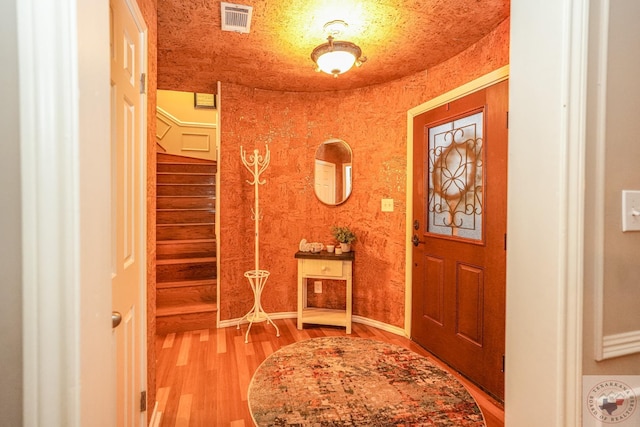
(257, 278)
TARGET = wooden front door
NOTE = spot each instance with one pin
(459, 253)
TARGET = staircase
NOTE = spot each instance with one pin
(186, 284)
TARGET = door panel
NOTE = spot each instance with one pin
(128, 195)
(460, 158)
(470, 310)
(434, 289)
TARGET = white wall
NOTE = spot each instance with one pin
(10, 236)
(612, 273)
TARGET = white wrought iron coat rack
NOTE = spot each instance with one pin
(257, 278)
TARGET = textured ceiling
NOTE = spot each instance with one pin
(398, 37)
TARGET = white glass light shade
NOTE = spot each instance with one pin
(336, 62)
(336, 57)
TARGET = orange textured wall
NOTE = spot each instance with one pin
(372, 121)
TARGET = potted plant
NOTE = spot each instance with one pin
(344, 236)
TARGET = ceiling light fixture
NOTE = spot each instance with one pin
(336, 57)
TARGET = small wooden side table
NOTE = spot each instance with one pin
(324, 265)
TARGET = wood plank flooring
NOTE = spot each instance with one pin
(203, 376)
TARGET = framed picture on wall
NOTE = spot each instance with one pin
(204, 100)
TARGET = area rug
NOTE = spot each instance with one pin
(342, 381)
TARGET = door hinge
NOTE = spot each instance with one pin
(505, 241)
(143, 401)
(503, 366)
(507, 120)
(143, 83)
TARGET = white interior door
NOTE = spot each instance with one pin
(325, 181)
(128, 163)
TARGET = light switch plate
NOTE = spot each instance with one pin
(630, 210)
(317, 287)
(387, 205)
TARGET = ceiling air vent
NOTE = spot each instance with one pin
(235, 17)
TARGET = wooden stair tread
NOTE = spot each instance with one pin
(175, 162)
(186, 266)
(200, 196)
(196, 307)
(187, 173)
(185, 260)
(173, 242)
(183, 184)
(184, 209)
(183, 255)
(186, 224)
(186, 283)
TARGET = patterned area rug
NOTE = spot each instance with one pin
(341, 381)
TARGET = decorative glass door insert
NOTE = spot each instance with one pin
(455, 178)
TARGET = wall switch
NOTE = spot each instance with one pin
(630, 210)
(317, 287)
(387, 205)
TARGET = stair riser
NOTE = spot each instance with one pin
(181, 232)
(185, 295)
(185, 190)
(185, 202)
(206, 249)
(186, 271)
(186, 179)
(185, 322)
(185, 216)
(185, 168)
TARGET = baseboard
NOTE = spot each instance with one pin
(273, 316)
(621, 344)
(379, 325)
(292, 315)
(156, 417)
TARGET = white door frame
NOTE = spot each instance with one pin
(545, 213)
(65, 150)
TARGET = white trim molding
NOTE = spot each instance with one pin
(65, 151)
(234, 322)
(48, 114)
(545, 209)
(620, 344)
(293, 315)
(179, 122)
(600, 126)
(219, 187)
(379, 325)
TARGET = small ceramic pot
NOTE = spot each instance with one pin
(346, 247)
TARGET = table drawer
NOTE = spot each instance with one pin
(321, 267)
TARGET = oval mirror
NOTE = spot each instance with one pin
(333, 175)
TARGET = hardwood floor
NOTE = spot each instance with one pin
(203, 376)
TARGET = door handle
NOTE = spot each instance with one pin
(416, 241)
(116, 318)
